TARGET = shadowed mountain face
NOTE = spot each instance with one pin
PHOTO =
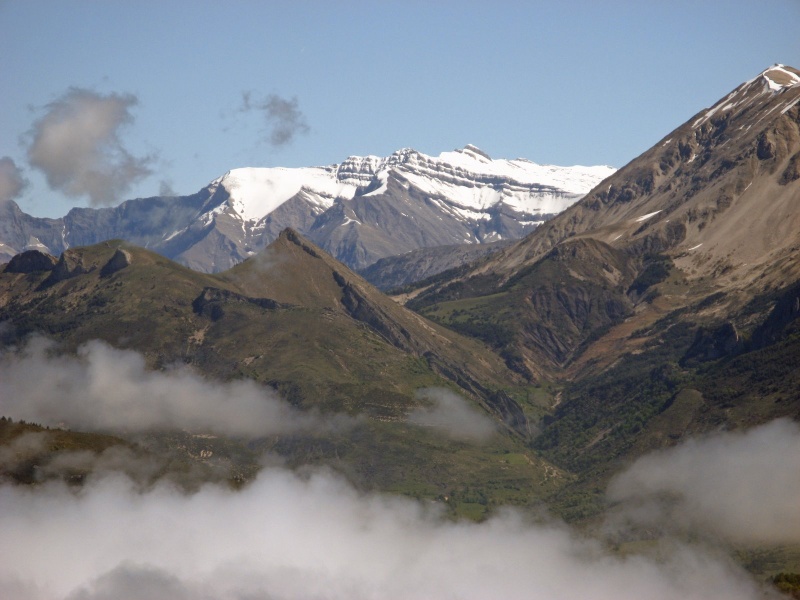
(418, 265)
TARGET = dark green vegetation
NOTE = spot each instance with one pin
(471, 479)
(538, 318)
(25, 445)
(31, 454)
(788, 583)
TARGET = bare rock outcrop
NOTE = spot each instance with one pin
(31, 261)
(120, 260)
(69, 265)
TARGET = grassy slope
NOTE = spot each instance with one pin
(310, 348)
(313, 349)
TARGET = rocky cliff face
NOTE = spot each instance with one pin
(31, 261)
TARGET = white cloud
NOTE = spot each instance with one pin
(105, 388)
(291, 537)
(453, 415)
(11, 180)
(742, 486)
(284, 118)
(77, 145)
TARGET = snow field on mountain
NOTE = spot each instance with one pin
(466, 178)
(256, 192)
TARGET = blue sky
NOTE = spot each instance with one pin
(568, 82)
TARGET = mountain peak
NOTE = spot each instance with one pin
(754, 95)
(779, 76)
(467, 177)
(475, 152)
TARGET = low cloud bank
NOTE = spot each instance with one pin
(292, 537)
(104, 388)
(453, 415)
(740, 486)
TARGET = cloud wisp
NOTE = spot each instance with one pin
(740, 486)
(288, 537)
(165, 188)
(284, 119)
(451, 414)
(108, 389)
(30, 458)
(12, 181)
(77, 145)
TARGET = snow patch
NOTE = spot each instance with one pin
(778, 78)
(771, 81)
(35, 243)
(173, 234)
(647, 216)
(716, 108)
(256, 192)
(790, 105)
(383, 177)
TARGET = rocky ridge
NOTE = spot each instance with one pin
(360, 210)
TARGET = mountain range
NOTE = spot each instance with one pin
(361, 210)
(661, 305)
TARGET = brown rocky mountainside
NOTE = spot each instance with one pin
(711, 210)
(721, 188)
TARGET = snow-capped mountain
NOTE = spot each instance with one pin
(466, 180)
(360, 210)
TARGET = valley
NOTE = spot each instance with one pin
(583, 364)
